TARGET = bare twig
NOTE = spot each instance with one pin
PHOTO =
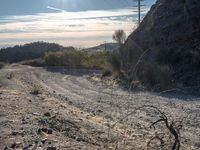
(170, 127)
(163, 118)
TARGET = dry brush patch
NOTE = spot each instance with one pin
(2, 64)
(36, 90)
(1, 82)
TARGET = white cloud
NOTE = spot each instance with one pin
(75, 27)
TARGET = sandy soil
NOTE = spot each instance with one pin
(74, 112)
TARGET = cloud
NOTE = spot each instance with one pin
(75, 27)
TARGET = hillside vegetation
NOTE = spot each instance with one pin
(51, 54)
(164, 50)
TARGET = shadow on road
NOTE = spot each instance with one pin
(72, 71)
(176, 94)
(181, 96)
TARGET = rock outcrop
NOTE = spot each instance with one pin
(171, 31)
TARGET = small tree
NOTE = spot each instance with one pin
(119, 36)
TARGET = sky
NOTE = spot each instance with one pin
(79, 23)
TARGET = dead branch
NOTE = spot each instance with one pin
(163, 118)
(172, 129)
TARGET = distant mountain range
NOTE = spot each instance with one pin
(103, 47)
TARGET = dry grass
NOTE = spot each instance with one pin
(1, 82)
(36, 90)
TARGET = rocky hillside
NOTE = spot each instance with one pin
(170, 35)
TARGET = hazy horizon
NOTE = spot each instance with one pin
(67, 22)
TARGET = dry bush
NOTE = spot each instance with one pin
(171, 126)
(119, 36)
(2, 65)
(106, 73)
(155, 76)
(114, 60)
(75, 58)
(1, 82)
(36, 90)
(97, 59)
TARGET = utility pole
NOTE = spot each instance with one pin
(137, 8)
(139, 11)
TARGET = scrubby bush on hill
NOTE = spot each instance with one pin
(1, 65)
(33, 62)
(155, 76)
(76, 58)
(134, 67)
(36, 90)
(114, 60)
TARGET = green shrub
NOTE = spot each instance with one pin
(36, 90)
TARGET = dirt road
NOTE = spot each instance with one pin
(73, 112)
